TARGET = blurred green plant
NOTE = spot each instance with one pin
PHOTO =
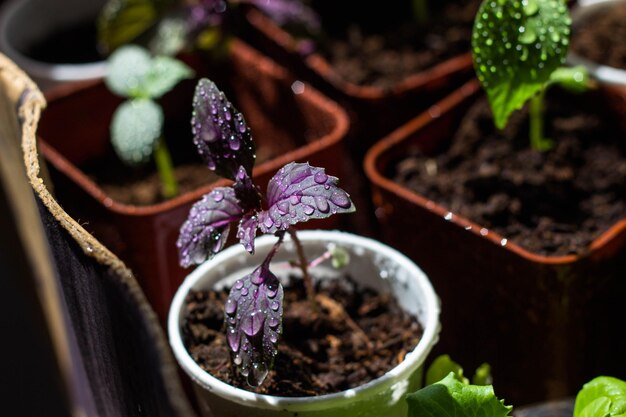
(137, 124)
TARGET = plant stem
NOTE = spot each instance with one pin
(308, 282)
(420, 11)
(535, 112)
(165, 169)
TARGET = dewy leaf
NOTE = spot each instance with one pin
(127, 70)
(516, 45)
(134, 73)
(602, 397)
(163, 75)
(205, 231)
(122, 21)
(299, 192)
(135, 129)
(253, 317)
(220, 132)
(450, 397)
(246, 232)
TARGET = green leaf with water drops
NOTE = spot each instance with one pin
(127, 69)
(135, 130)
(134, 73)
(517, 45)
(164, 74)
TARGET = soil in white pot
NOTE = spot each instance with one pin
(551, 203)
(355, 336)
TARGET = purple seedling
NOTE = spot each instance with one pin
(297, 193)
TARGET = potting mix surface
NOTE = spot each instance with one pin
(355, 336)
(383, 58)
(551, 203)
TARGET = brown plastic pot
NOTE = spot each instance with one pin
(545, 324)
(75, 130)
(374, 111)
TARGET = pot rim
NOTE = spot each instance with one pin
(412, 360)
(40, 69)
(404, 132)
(600, 72)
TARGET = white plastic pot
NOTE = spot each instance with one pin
(371, 263)
(25, 22)
(602, 73)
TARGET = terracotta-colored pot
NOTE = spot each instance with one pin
(545, 324)
(374, 111)
(75, 129)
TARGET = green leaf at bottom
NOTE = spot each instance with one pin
(451, 398)
(602, 397)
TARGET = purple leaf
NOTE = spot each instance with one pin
(247, 193)
(221, 134)
(247, 232)
(253, 317)
(299, 192)
(289, 11)
(205, 231)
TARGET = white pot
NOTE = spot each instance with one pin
(25, 22)
(371, 263)
(602, 73)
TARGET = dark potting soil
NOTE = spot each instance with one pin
(318, 353)
(551, 203)
(385, 58)
(599, 38)
(141, 188)
(73, 45)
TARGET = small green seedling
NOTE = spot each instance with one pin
(519, 47)
(137, 124)
(448, 393)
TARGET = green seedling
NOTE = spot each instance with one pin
(137, 124)
(519, 48)
(448, 393)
